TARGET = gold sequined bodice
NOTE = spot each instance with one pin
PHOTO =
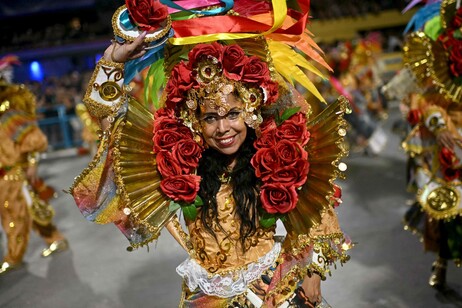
(225, 253)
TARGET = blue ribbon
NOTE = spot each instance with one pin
(155, 52)
(228, 5)
(125, 21)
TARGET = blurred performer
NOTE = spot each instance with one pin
(434, 142)
(20, 190)
(90, 128)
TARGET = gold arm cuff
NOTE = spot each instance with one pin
(104, 91)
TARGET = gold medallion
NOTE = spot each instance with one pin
(110, 91)
(443, 199)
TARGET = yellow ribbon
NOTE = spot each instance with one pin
(279, 11)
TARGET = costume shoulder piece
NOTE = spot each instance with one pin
(325, 148)
(121, 184)
(434, 50)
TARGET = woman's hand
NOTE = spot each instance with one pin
(31, 174)
(444, 138)
(122, 53)
(312, 287)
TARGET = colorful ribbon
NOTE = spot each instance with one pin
(196, 3)
(224, 27)
(154, 53)
(125, 21)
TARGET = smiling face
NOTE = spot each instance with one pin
(224, 133)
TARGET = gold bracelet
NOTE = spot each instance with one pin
(32, 159)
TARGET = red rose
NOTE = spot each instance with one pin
(446, 39)
(453, 47)
(234, 59)
(166, 139)
(277, 198)
(166, 165)
(456, 68)
(264, 162)
(181, 187)
(266, 140)
(271, 89)
(447, 158)
(457, 21)
(455, 57)
(147, 14)
(268, 125)
(289, 152)
(451, 174)
(181, 80)
(294, 129)
(337, 196)
(291, 175)
(202, 51)
(165, 123)
(255, 70)
(414, 116)
(164, 113)
(187, 154)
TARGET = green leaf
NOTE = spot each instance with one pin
(458, 81)
(288, 113)
(155, 79)
(458, 34)
(277, 118)
(198, 201)
(267, 220)
(189, 211)
(433, 28)
(173, 207)
(181, 15)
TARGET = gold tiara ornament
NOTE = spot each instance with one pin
(213, 72)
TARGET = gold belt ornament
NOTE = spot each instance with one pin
(441, 200)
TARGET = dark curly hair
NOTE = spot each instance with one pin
(243, 181)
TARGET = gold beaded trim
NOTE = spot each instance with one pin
(17, 176)
(105, 62)
(117, 30)
(288, 284)
(447, 11)
(96, 109)
(184, 236)
(94, 163)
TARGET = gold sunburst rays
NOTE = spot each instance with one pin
(326, 148)
(137, 177)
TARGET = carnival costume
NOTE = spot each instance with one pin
(23, 204)
(432, 88)
(150, 166)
